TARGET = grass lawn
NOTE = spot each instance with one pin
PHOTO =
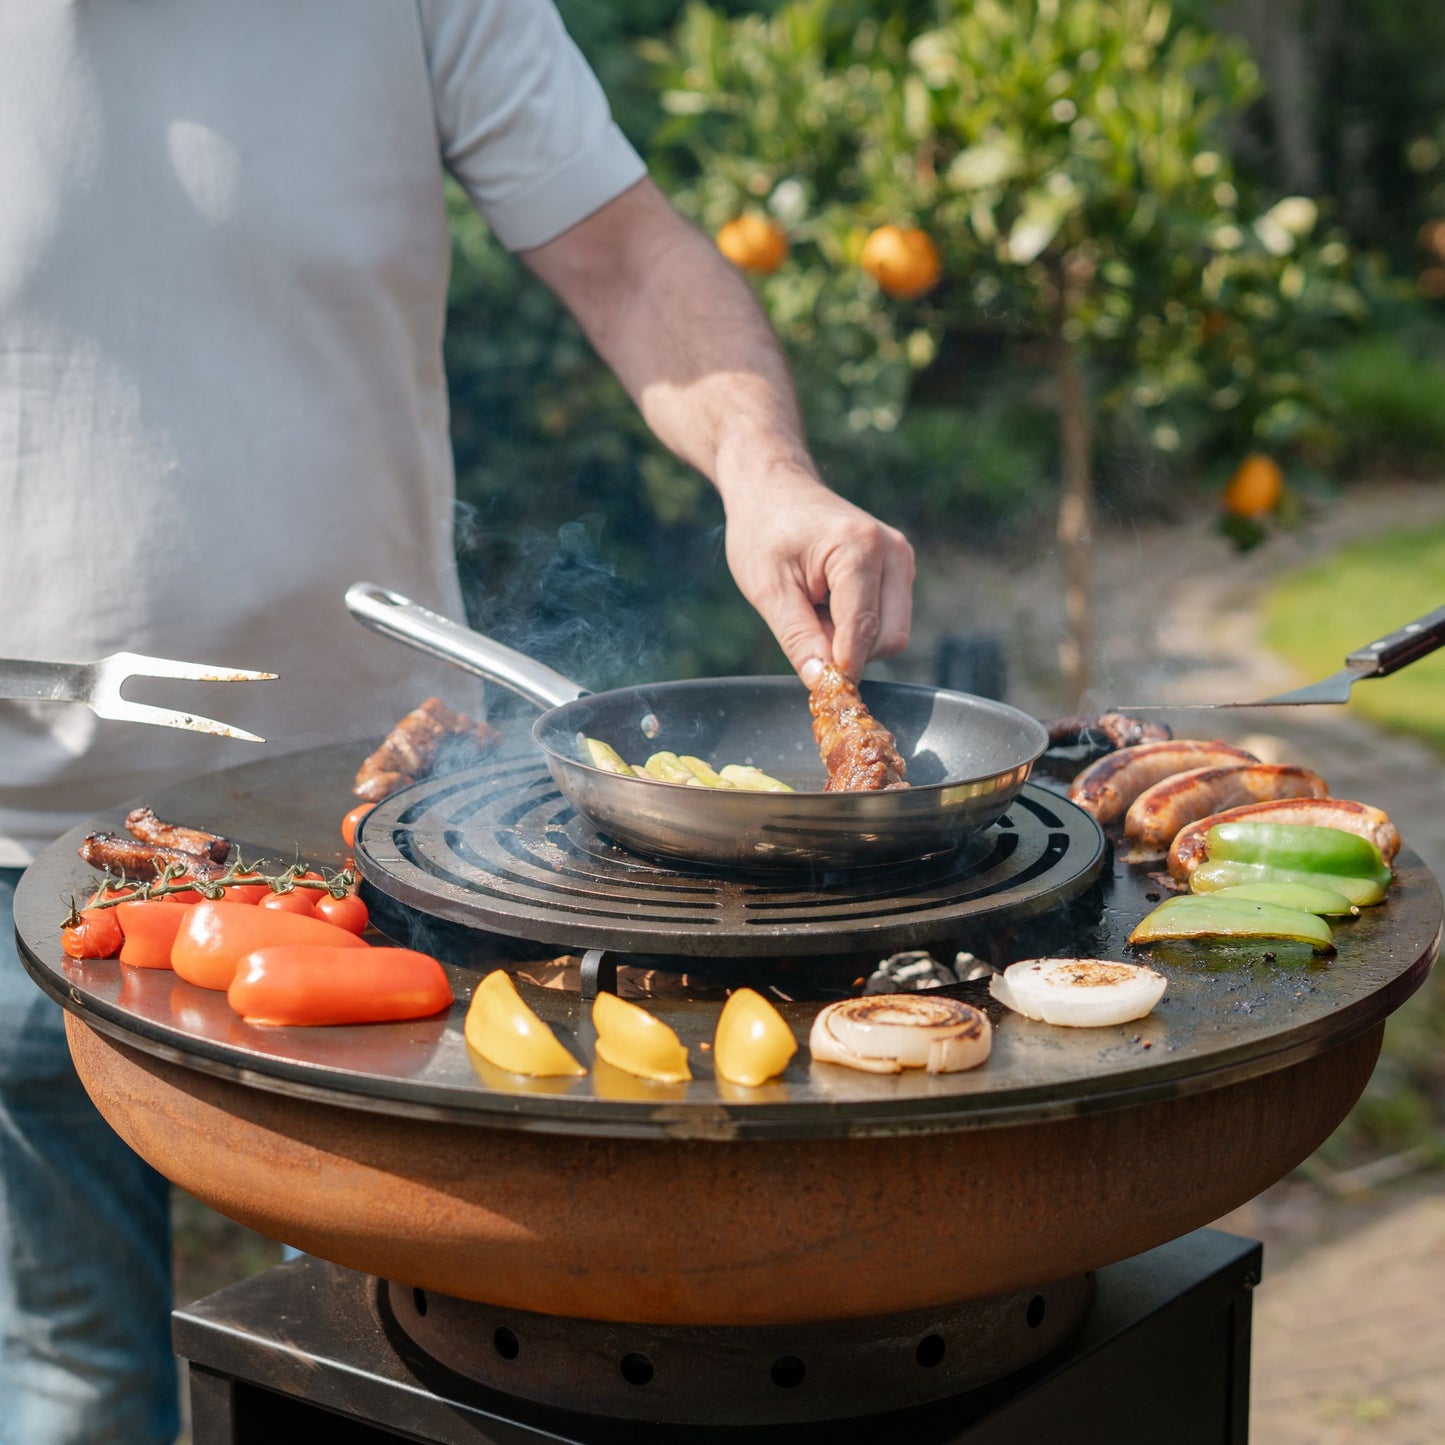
(1362, 592)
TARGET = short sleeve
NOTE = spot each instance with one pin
(523, 122)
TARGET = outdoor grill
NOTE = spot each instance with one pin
(511, 1259)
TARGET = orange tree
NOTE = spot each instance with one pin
(1070, 161)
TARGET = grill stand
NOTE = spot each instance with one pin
(1163, 1354)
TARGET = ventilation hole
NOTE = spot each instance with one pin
(418, 1301)
(930, 1351)
(507, 1345)
(1035, 1315)
(788, 1372)
(636, 1369)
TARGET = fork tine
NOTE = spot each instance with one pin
(137, 664)
(122, 709)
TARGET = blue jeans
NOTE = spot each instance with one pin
(85, 1244)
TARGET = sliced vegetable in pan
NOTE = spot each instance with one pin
(686, 770)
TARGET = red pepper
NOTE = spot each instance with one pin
(216, 936)
(300, 984)
(150, 926)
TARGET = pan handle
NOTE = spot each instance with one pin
(399, 617)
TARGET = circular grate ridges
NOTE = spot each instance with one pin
(499, 848)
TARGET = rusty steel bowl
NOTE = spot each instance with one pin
(827, 1195)
(692, 1232)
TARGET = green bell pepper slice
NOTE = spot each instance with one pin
(1301, 847)
(1304, 896)
(1211, 877)
(1200, 916)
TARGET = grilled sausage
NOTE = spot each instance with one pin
(149, 829)
(856, 749)
(427, 738)
(1158, 813)
(1107, 788)
(1188, 850)
(115, 853)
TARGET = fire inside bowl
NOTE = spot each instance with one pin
(826, 1195)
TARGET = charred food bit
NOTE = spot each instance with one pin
(1105, 731)
(427, 740)
(144, 824)
(856, 749)
(114, 853)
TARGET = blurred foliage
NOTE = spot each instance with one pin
(1084, 146)
(1067, 158)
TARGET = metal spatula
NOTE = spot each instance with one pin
(1376, 659)
(98, 685)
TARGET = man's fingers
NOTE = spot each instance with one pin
(855, 600)
(802, 633)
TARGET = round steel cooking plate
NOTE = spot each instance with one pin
(1228, 1016)
(498, 847)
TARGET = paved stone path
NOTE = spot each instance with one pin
(1349, 1342)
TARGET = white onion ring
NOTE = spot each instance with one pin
(1078, 992)
(889, 1032)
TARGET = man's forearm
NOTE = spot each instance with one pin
(682, 330)
(688, 339)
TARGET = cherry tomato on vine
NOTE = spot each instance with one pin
(294, 900)
(349, 822)
(97, 935)
(247, 892)
(347, 912)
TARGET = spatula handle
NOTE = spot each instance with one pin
(1403, 645)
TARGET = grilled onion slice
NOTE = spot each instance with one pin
(1078, 992)
(888, 1032)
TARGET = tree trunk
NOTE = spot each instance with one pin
(1076, 508)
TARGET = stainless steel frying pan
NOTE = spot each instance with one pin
(967, 756)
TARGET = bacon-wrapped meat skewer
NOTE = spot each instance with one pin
(856, 749)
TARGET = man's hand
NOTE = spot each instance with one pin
(683, 331)
(832, 582)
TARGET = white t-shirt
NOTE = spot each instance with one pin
(223, 268)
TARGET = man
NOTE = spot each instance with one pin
(223, 263)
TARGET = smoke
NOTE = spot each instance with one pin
(558, 597)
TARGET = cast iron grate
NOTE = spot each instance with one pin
(499, 848)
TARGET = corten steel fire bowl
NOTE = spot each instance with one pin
(826, 1195)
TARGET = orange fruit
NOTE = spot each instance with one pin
(1255, 488)
(902, 260)
(753, 242)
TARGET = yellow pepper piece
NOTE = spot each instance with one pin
(505, 1032)
(630, 1039)
(752, 1042)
